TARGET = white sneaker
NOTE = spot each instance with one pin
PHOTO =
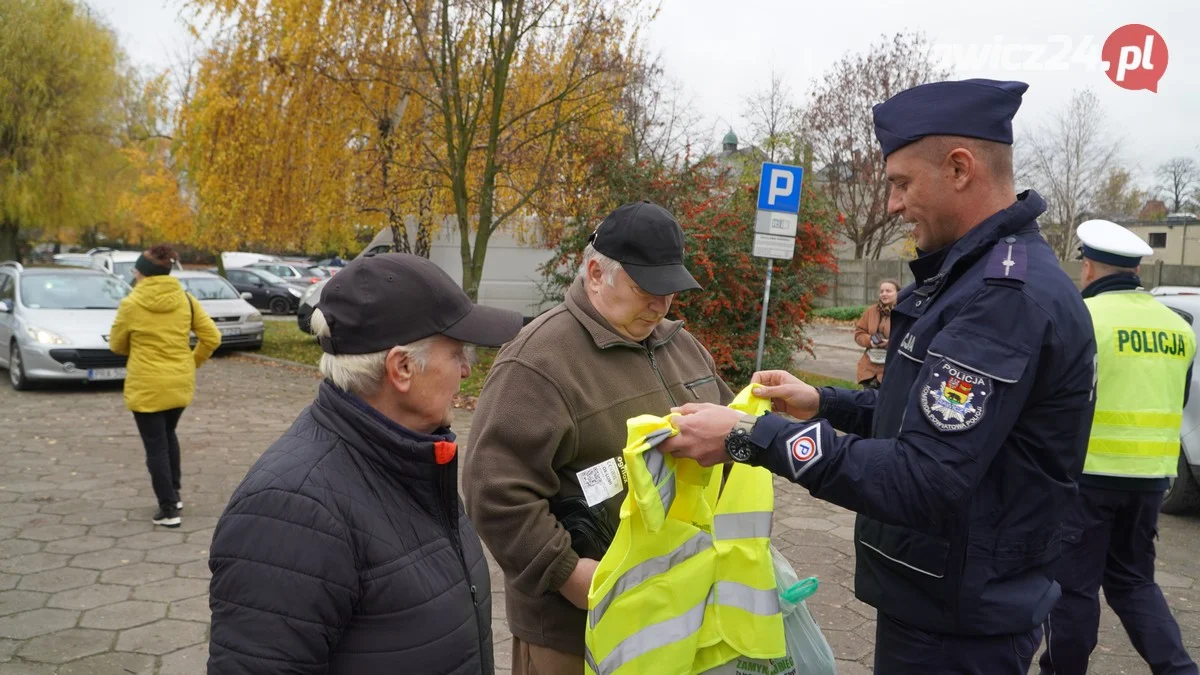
(179, 505)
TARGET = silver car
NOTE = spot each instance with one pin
(54, 324)
(240, 324)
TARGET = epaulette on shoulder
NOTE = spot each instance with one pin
(1007, 261)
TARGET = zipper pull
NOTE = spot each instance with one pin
(474, 598)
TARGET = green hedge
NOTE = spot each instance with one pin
(840, 313)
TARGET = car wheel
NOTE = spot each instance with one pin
(16, 369)
(304, 320)
(1184, 494)
(279, 306)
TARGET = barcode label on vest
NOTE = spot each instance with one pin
(600, 482)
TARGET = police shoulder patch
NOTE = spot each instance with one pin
(1007, 261)
(804, 449)
(954, 398)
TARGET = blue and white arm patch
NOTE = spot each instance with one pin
(804, 449)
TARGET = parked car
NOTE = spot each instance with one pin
(54, 324)
(241, 258)
(382, 243)
(241, 325)
(1184, 493)
(1175, 290)
(267, 291)
(78, 259)
(293, 272)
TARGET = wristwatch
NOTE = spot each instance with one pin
(737, 442)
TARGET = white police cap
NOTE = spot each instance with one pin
(1107, 242)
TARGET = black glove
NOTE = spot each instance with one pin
(590, 527)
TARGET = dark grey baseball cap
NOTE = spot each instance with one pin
(380, 301)
(648, 242)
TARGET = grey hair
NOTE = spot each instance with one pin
(607, 265)
(362, 374)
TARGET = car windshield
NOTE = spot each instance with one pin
(72, 291)
(269, 277)
(210, 289)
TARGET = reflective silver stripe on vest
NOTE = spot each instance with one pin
(591, 661)
(746, 525)
(727, 593)
(656, 464)
(652, 637)
(649, 568)
(753, 600)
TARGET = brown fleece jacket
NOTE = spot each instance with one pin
(554, 404)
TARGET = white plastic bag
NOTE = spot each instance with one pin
(808, 651)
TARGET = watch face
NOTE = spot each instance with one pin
(738, 446)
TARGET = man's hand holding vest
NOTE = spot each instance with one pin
(702, 431)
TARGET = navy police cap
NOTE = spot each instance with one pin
(974, 108)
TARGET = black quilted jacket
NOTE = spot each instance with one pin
(346, 550)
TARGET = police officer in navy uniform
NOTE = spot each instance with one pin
(1145, 353)
(961, 465)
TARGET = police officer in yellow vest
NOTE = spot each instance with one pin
(1144, 353)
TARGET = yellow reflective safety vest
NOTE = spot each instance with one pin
(1143, 350)
(688, 583)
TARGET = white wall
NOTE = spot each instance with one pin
(510, 270)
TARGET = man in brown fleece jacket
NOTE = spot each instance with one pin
(556, 402)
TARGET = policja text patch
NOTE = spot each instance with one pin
(1142, 342)
(954, 398)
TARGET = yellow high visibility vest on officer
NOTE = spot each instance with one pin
(688, 583)
(1143, 351)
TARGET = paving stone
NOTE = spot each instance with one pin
(195, 522)
(198, 570)
(12, 602)
(78, 545)
(66, 508)
(1168, 580)
(190, 661)
(114, 663)
(124, 615)
(10, 548)
(20, 509)
(818, 524)
(31, 520)
(170, 590)
(203, 537)
(67, 645)
(36, 622)
(27, 669)
(9, 581)
(33, 562)
(53, 581)
(193, 609)
(89, 597)
(151, 540)
(107, 559)
(122, 528)
(161, 637)
(126, 504)
(178, 554)
(8, 648)
(96, 517)
(109, 493)
(137, 574)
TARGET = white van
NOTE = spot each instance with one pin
(120, 263)
(241, 259)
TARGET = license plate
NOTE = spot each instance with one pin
(231, 331)
(106, 374)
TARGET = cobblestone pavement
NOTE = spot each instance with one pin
(88, 586)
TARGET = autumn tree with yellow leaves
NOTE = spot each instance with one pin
(315, 119)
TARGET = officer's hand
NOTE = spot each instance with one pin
(577, 585)
(702, 431)
(788, 393)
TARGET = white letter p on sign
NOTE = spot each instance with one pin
(781, 185)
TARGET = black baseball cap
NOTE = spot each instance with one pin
(648, 242)
(380, 301)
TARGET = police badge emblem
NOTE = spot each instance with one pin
(954, 398)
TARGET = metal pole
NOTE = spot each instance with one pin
(762, 328)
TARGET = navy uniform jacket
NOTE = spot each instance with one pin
(961, 465)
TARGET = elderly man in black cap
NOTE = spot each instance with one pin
(346, 548)
(961, 465)
(540, 480)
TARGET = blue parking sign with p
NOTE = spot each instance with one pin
(779, 188)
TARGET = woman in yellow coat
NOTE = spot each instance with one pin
(152, 327)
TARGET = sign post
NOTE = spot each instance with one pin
(775, 227)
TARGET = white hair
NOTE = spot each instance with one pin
(361, 374)
(607, 265)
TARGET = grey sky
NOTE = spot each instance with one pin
(721, 51)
